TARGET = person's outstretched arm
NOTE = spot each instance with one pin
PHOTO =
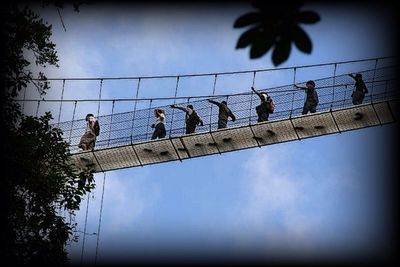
(214, 102)
(300, 87)
(180, 108)
(260, 95)
(200, 122)
(352, 76)
(232, 116)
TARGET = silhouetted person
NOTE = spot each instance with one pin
(88, 139)
(159, 125)
(191, 118)
(360, 89)
(266, 107)
(224, 113)
(311, 102)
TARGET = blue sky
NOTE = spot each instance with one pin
(317, 198)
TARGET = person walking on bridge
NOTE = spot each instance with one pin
(88, 139)
(191, 118)
(311, 102)
(360, 89)
(266, 107)
(159, 125)
(224, 113)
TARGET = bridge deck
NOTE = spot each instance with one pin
(237, 138)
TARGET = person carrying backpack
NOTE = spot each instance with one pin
(360, 89)
(311, 102)
(88, 139)
(192, 119)
(266, 107)
(224, 113)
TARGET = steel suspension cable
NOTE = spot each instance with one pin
(100, 216)
(84, 229)
(251, 97)
(334, 85)
(213, 93)
(173, 110)
(148, 119)
(62, 98)
(72, 122)
(100, 89)
(294, 91)
(111, 120)
(373, 76)
(134, 109)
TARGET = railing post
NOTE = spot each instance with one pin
(251, 97)
(373, 80)
(148, 119)
(334, 85)
(134, 109)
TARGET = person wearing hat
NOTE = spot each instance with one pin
(88, 139)
(224, 113)
(191, 118)
(311, 102)
(360, 89)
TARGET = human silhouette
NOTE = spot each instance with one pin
(311, 102)
(360, 89)
(224, 113)
(192, 119)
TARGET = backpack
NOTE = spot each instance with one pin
(96, 128)
(270, 105)
(262, 108)
(193, 118)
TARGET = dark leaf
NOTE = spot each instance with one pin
(308, 17)
(301, 40)
(247, 38)
(261, 46)
(246, 20)
(281, 51)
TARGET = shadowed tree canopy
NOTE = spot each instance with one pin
(38, 182)
(275, 27)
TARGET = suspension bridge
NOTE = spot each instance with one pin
(124, 137)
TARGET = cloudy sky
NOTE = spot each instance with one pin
(320, 198)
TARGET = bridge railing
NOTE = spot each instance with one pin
(333, 85)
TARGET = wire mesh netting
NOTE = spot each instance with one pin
(128, 121)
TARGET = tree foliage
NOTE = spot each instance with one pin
(39, 182)
(275, 27)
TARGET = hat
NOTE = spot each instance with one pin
(190, 106)
(358, 76)
(224, 102)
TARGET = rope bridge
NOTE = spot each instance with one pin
(124, 136)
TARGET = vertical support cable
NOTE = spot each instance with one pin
(84, 229)
(111, 120)
(37, 108)
(183, 129)
(23, 102)
(294, 82)
(251, 97)
(100, 216)
(173, 110)
(213, 93)
(134, 109)
(334, 84)
(373, 79)
(148, 119)
(100, 89)
(62, 98)
(72, 122)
